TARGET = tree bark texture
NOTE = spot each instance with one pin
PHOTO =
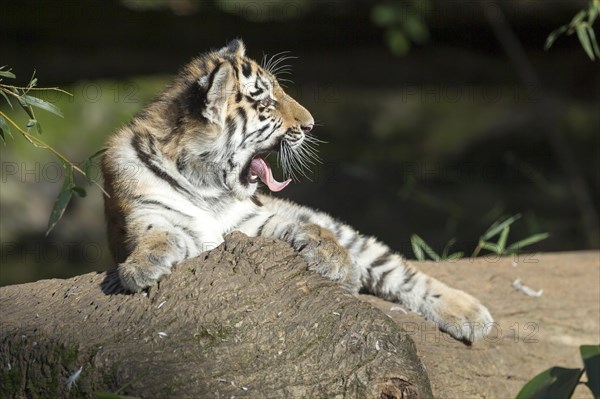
(244, 320)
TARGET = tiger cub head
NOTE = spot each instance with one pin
(231, 113)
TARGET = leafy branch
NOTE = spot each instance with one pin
(560, 382)
(500, 229)
(28, 102)
(581, 24)
(420, 249)
(404, 23)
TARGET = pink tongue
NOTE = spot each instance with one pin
(261, 168)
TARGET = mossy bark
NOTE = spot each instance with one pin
(246, 320)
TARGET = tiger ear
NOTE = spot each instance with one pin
(235, 47)
(221, 86)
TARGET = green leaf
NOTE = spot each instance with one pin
(34, 122)
(98, 153)
(490, 246)
(88, 164)
(592, 36)
(80, 191)
(7, 74)
(68, 174)
(62, 200)
(6, 97)
(416, 29)
(555, 383)
(554, 35)
(455, 256)
(432, 254)
(39, 103)
(87, 169)
(4, 130)
(414, 242)
(420, 246)
(585, 41)
(593, 12)
(398, 42)
(498, 226)
(591, 360)
(578, 18)
(38, 126)
(384, 15)
(527, 241)
(58, 210)
(26, 107)
(502, 240)
(449, 244)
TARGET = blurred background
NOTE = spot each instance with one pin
(440, 117)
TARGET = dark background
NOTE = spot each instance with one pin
(440, 116)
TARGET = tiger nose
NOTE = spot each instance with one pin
(307, 128)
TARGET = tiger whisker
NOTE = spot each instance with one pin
(282, 58)
(274, 64)
(270, 60)
(271, 63)
(312, 156)
(263, 60)
(311, 139)
(297, 162)
(285, 80)
(279, 73)
(282, 69)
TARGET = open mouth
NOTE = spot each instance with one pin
(259, 169)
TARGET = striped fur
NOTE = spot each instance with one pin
(178, 179)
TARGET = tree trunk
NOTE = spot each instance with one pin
(246, 320)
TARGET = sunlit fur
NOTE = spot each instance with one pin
(178, 181)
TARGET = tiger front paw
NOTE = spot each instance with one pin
(151, 260)
(462, 316)
(324, 255)
(138, 276)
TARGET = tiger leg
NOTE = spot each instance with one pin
(386, 274)
(318, 247)
(151, 259)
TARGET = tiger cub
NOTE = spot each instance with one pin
(185, 172)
